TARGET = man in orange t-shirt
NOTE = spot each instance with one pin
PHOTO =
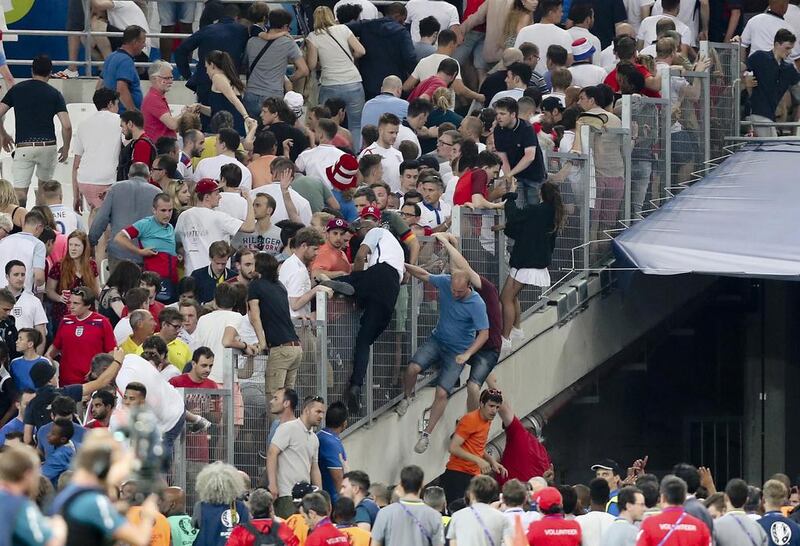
(467, 455)
(331, 260)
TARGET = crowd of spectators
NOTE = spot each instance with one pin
(324, 170)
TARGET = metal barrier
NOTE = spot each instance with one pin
(724, 89)
(690, 133)
(648, 120)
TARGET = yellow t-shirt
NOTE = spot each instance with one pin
(358, 536)
(178, 353)
(297, 523)
(130, 347)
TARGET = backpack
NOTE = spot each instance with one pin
(126, 157)
(265, 539)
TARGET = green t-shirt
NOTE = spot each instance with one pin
(313, 189)
(181, 530)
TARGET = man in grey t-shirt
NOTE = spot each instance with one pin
(735, 528)
(623, 531)
(479, 524)
(408, 522)
(267, 77)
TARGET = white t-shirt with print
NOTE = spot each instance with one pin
(197, 228)
(28, 312)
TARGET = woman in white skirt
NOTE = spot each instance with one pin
(534, 230)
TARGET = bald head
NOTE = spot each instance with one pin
(173, 501)
(511, 55)
(626, 29)
(393, 85)
(459, 284)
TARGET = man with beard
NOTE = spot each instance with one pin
(102, 406)
(331, 260)
(193, 143)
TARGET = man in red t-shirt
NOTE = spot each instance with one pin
(673, 526)
(143, 150)
(553, 529)
(102, 407)
(625, 49)
(81, 335)
(524, 456)
(197, 446)
(316, 510)
(473, 186)
(445, 74)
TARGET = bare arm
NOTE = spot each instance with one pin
(286, 178)
(705, 12)
(229, 339)
(300, 70)
(480, 340)
(316, 475)
(125, 96)
(76, 192)
(220, 81)
(254, 313)
(249, 225)
(524, 163)
(413, 250)
(455, 449)
(66, 136)
(272, 469)
(107, 376)
(38, 276)
(410, 83)
(50, 291)
(123, 239)
(477, 18)
(312, 56)
(464, 91)
(332, 203)
(356, 47)
(733, 23)
(457, 260)
(297, 303)
(361, 258)
(418, 272)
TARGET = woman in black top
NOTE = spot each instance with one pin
(534, 230)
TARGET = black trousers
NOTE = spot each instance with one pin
(455, 484)
(376, 290)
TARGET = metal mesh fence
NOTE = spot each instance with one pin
(724, 110)
(482, 241)
(690, 130)
(195, 450)
(649, 122)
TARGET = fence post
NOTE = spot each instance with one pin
(229, 369)
(667, 121)
(179, 466)
(586, 176)
(369, 395)
(87, 28)
(415, 303)
(626, 111)
(455, 224)
(627, 145)
(706, 85)
(322, 344)
(500, 250)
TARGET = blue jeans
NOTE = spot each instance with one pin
(353, 96)
(432, 353)
(529, 191)
(252, 103)
(168, 442)
(641, 170)
(481, 365)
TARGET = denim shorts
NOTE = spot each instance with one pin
(170, 13)
(432, 353)
(481, 365)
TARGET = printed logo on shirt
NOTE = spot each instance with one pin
(229, 519)
(781, 533)
(560, 532)
(79, 331)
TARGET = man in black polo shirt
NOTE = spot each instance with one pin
(773, 76)
(518, 147)
(45, 379)
(35, 103)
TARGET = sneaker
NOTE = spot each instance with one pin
(423, 443)
(517, 333)
(340, 287)
(402, 407)
(353, 399)
(507, 346)
(66, 74)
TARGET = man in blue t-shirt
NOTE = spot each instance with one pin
(332, 457)
(119, 70)
(27, 341)
(16, 424)
(62, 407)
(781, 531)
(462, 330)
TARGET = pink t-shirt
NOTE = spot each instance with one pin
(154, 106)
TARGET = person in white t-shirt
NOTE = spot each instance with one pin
(689, 13)
(289, 205)
(96, 144)
(28, 311)
(582, 17)
(368, 9)
(119, 14)
(378, 269)
(546, 32)
(595, 523)
(26, 247)
(227, 143)
(447, 43)
(759, 32)
(294, 274)
(388, 127)
(637, 10)
(230, 199)
(201, 225)
(584, 72)
(66, 220)
(517, 77)
(444, 12)
(648, 33)
(315, 161)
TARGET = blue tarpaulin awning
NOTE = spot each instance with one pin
(742, 219)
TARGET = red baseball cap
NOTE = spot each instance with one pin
(371, 210)
(337, 223)
(206, 185)
(547, 498)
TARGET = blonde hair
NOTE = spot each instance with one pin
(323, 18)
(7, 194)
(172, 190)
(219, 483)
(443, 99)
(322, 219)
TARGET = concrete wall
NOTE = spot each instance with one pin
(555, 357)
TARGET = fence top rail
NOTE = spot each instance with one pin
(770, 123)
(209, 392)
